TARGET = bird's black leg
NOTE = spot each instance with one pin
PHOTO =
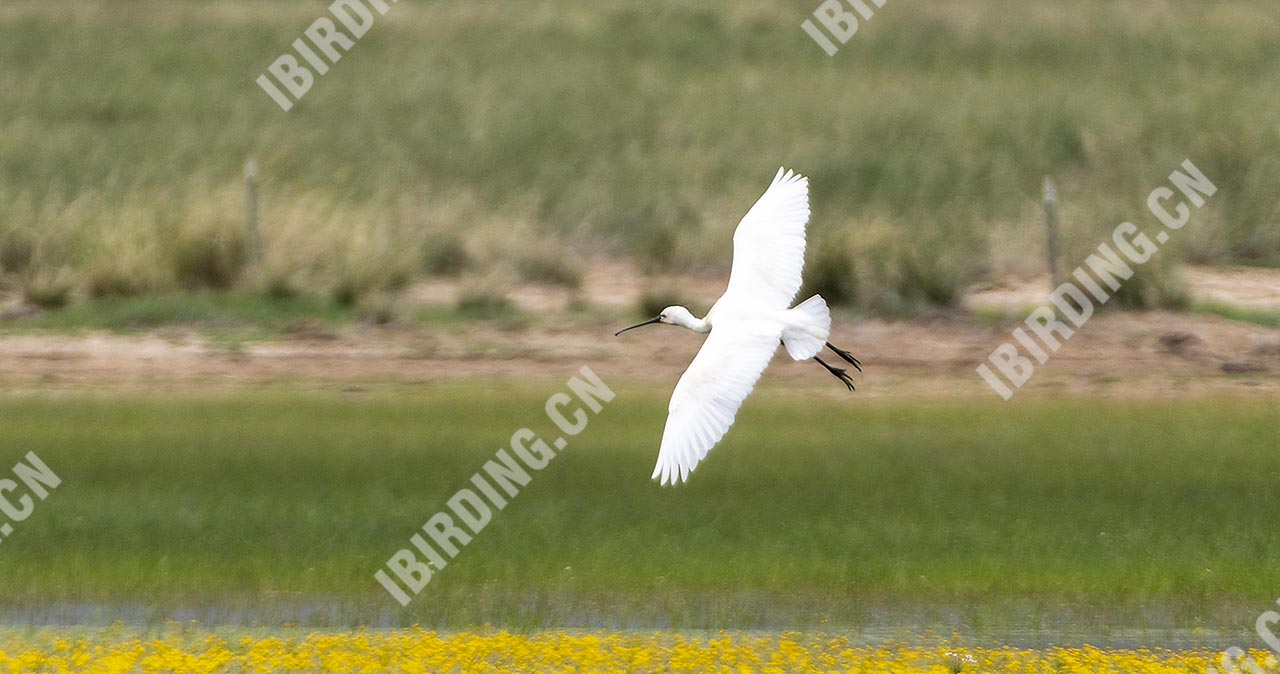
(848, 357)
(838, 373)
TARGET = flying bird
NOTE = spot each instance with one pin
(746, 324)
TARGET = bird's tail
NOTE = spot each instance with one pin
(808, 325)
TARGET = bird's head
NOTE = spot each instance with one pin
(673, 315)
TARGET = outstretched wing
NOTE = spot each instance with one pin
(768, 246)
(709, 393)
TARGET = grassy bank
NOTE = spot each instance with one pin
(468, 138)
(270, 506)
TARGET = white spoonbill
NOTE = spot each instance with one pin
(746, 324)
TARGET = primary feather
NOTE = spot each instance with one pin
(708, 395)
(768, 246)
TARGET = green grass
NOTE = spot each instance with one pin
(625, 126)
(283, 504)
(231, 314)
(1269, 318)
(209, 311)
(995, 317)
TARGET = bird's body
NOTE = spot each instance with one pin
(746, 325)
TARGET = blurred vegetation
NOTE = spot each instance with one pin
(457, 135)
(232, 313)
(1107, 512)
(658, 296)
(484, 297)
(1265, 317)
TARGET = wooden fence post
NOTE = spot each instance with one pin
(252, 224)
(1051, 231)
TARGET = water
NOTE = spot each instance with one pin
(1025, 626)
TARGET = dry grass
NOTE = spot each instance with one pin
(459, 138)
(48, 287)
(486, 296)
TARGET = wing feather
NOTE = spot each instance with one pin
(768, 246)
(708, 395)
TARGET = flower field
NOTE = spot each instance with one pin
(417, 650)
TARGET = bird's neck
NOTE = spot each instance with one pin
(695, 324)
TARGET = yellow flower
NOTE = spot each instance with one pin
(183, 649)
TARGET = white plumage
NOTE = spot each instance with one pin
(746, 324)
(768, 246)
(708, 395)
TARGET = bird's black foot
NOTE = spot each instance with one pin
(848, 357)
(838, 373)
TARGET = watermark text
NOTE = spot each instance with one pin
(491, 489)
(1233, 658)
(30, 477)
(838, 17)
(1043, 332)
(324, 47)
